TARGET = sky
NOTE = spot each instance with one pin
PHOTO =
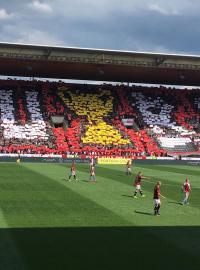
(136, 25)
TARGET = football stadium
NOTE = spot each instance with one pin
(73, 157)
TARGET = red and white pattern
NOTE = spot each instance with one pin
(157, 114)
(30, 131)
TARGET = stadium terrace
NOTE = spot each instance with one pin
(97, 120)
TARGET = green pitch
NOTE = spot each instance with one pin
(49, 223)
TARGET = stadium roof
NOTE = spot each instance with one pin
(98, 64)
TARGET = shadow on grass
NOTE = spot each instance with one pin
(89, 181)
(144, 213)
(128, 196)
(179, 203)
(100, 248)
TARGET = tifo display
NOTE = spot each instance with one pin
(97, 120)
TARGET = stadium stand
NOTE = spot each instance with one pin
(101, 120)
(168, 115)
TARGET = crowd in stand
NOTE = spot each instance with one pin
(93, 117)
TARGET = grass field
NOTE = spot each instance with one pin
(49, 223)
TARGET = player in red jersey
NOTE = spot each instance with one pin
(73, 171)
(186, 189)
(128, 167)
(156, 197)
(92, 174)
(137, 184)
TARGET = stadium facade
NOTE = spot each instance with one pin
(97, 64)
(103, 120)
